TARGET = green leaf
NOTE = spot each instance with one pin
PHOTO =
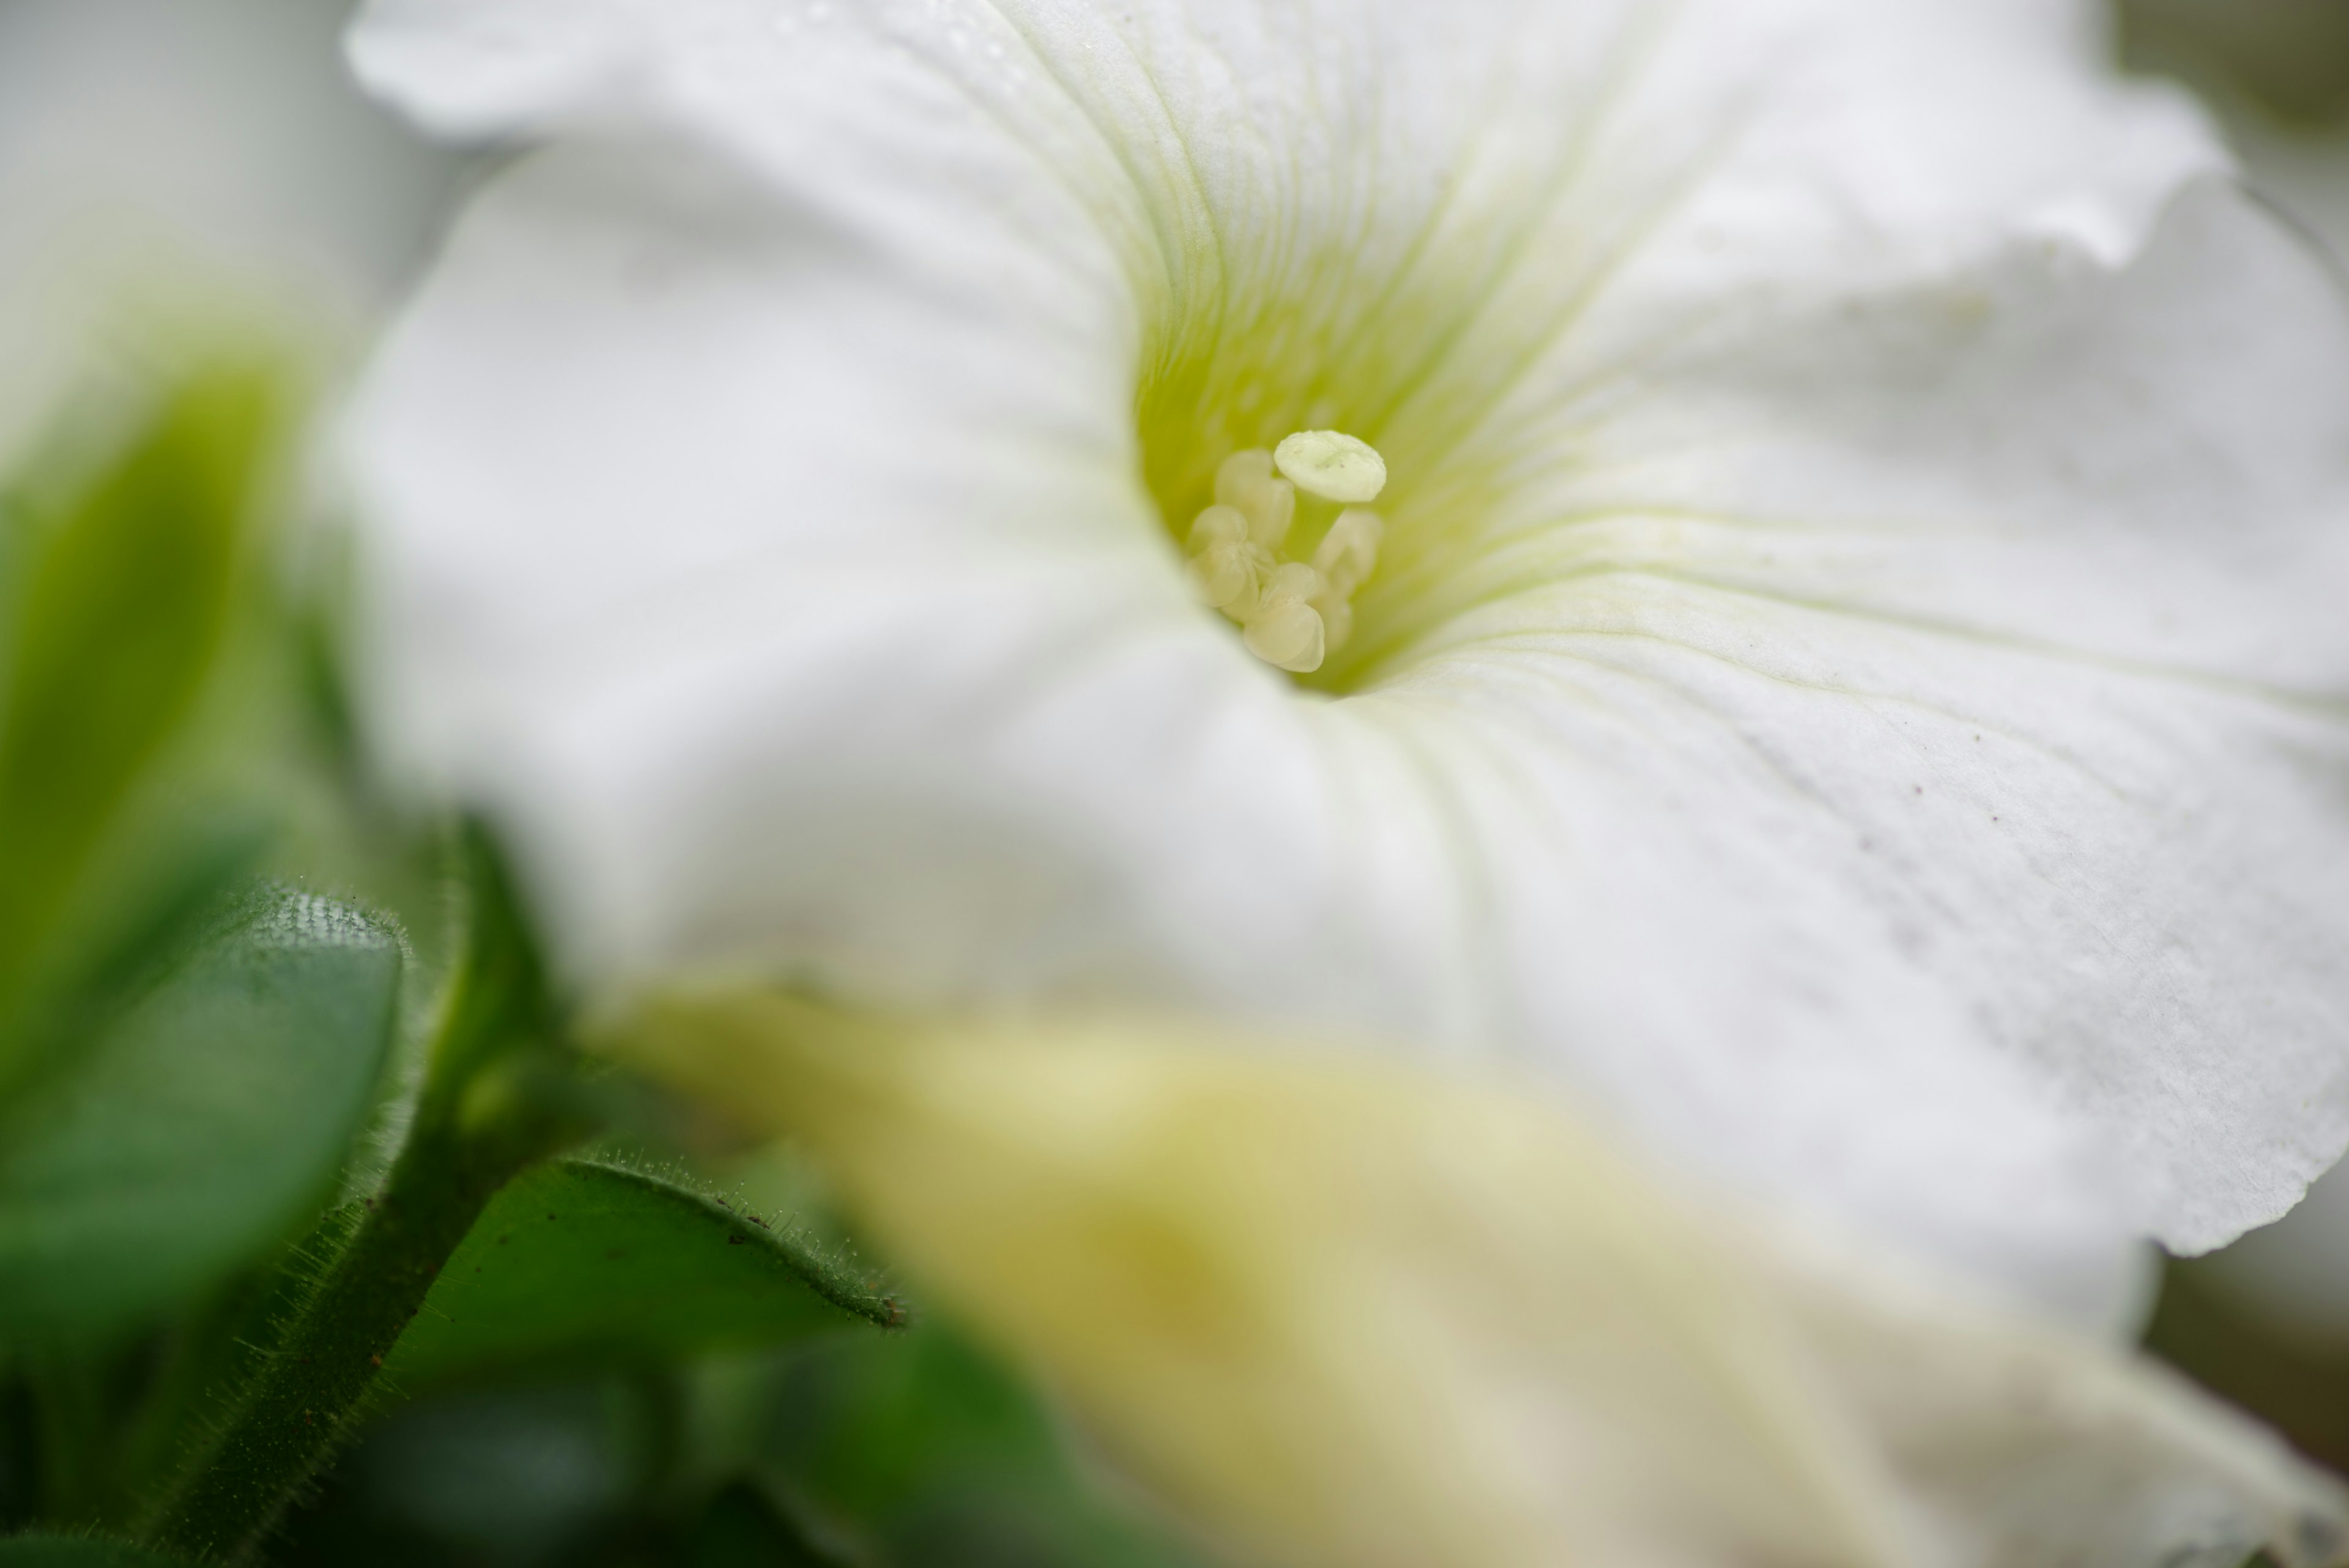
(932, 1454)
(121, 590)
(531, 1476)
(741, 1527)
(77, 1552)
(199, 1125)
(577, 1261)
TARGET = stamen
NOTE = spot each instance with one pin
(1349, 551)
(1337, 622)
(1225, 577)
(1218, 525)
(1237, 473)
(1294, 615)
(1245, 483)
(1294, 579)
(1271, 506)
(1332, 465)
(1286, 630)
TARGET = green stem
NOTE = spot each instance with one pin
(70, 1400)
(304, 1403)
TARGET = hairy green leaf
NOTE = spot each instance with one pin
(578, 1261)
(199, 1125)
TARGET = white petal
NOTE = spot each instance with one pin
(765, 543)
(1366, 1317)
(2035, 619)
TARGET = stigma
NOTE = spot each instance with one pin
(1294, 606)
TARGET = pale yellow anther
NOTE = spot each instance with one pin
(1294, 579)
(1226, 576)
(1286, 630)
(1337, 622)
(1240, 471)
(1270, 505)
(1332, 465)
(1349, 551)
(1286, 633)
(1218, 525)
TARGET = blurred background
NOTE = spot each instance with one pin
(190, 184)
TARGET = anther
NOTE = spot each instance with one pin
(1294, 579)
(1218, 525)
(1270, 505)
(1287, 635)
(1286, 630)
(1245, 483)
(1226, 577)
(1337, 615)
(1225, 566)
(1348, 553)
(1239, 472)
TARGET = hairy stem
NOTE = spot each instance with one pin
(307, 1400)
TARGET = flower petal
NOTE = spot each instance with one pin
(1361, 1316)
(1806, 390)
(2009, 612)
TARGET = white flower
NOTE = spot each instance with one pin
(1851, 670)
(1376, 1318)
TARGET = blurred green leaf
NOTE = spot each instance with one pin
(2300, 1387)
(577, 1261)
(120, 592)
(198, 1126)
(2291, 58)
(936, 1455)
(741, 1527)
(76, 1551)
(536, 1476)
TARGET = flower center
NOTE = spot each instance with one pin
(1249, 558)
(1254, 362)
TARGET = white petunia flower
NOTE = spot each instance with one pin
(1845, 666)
